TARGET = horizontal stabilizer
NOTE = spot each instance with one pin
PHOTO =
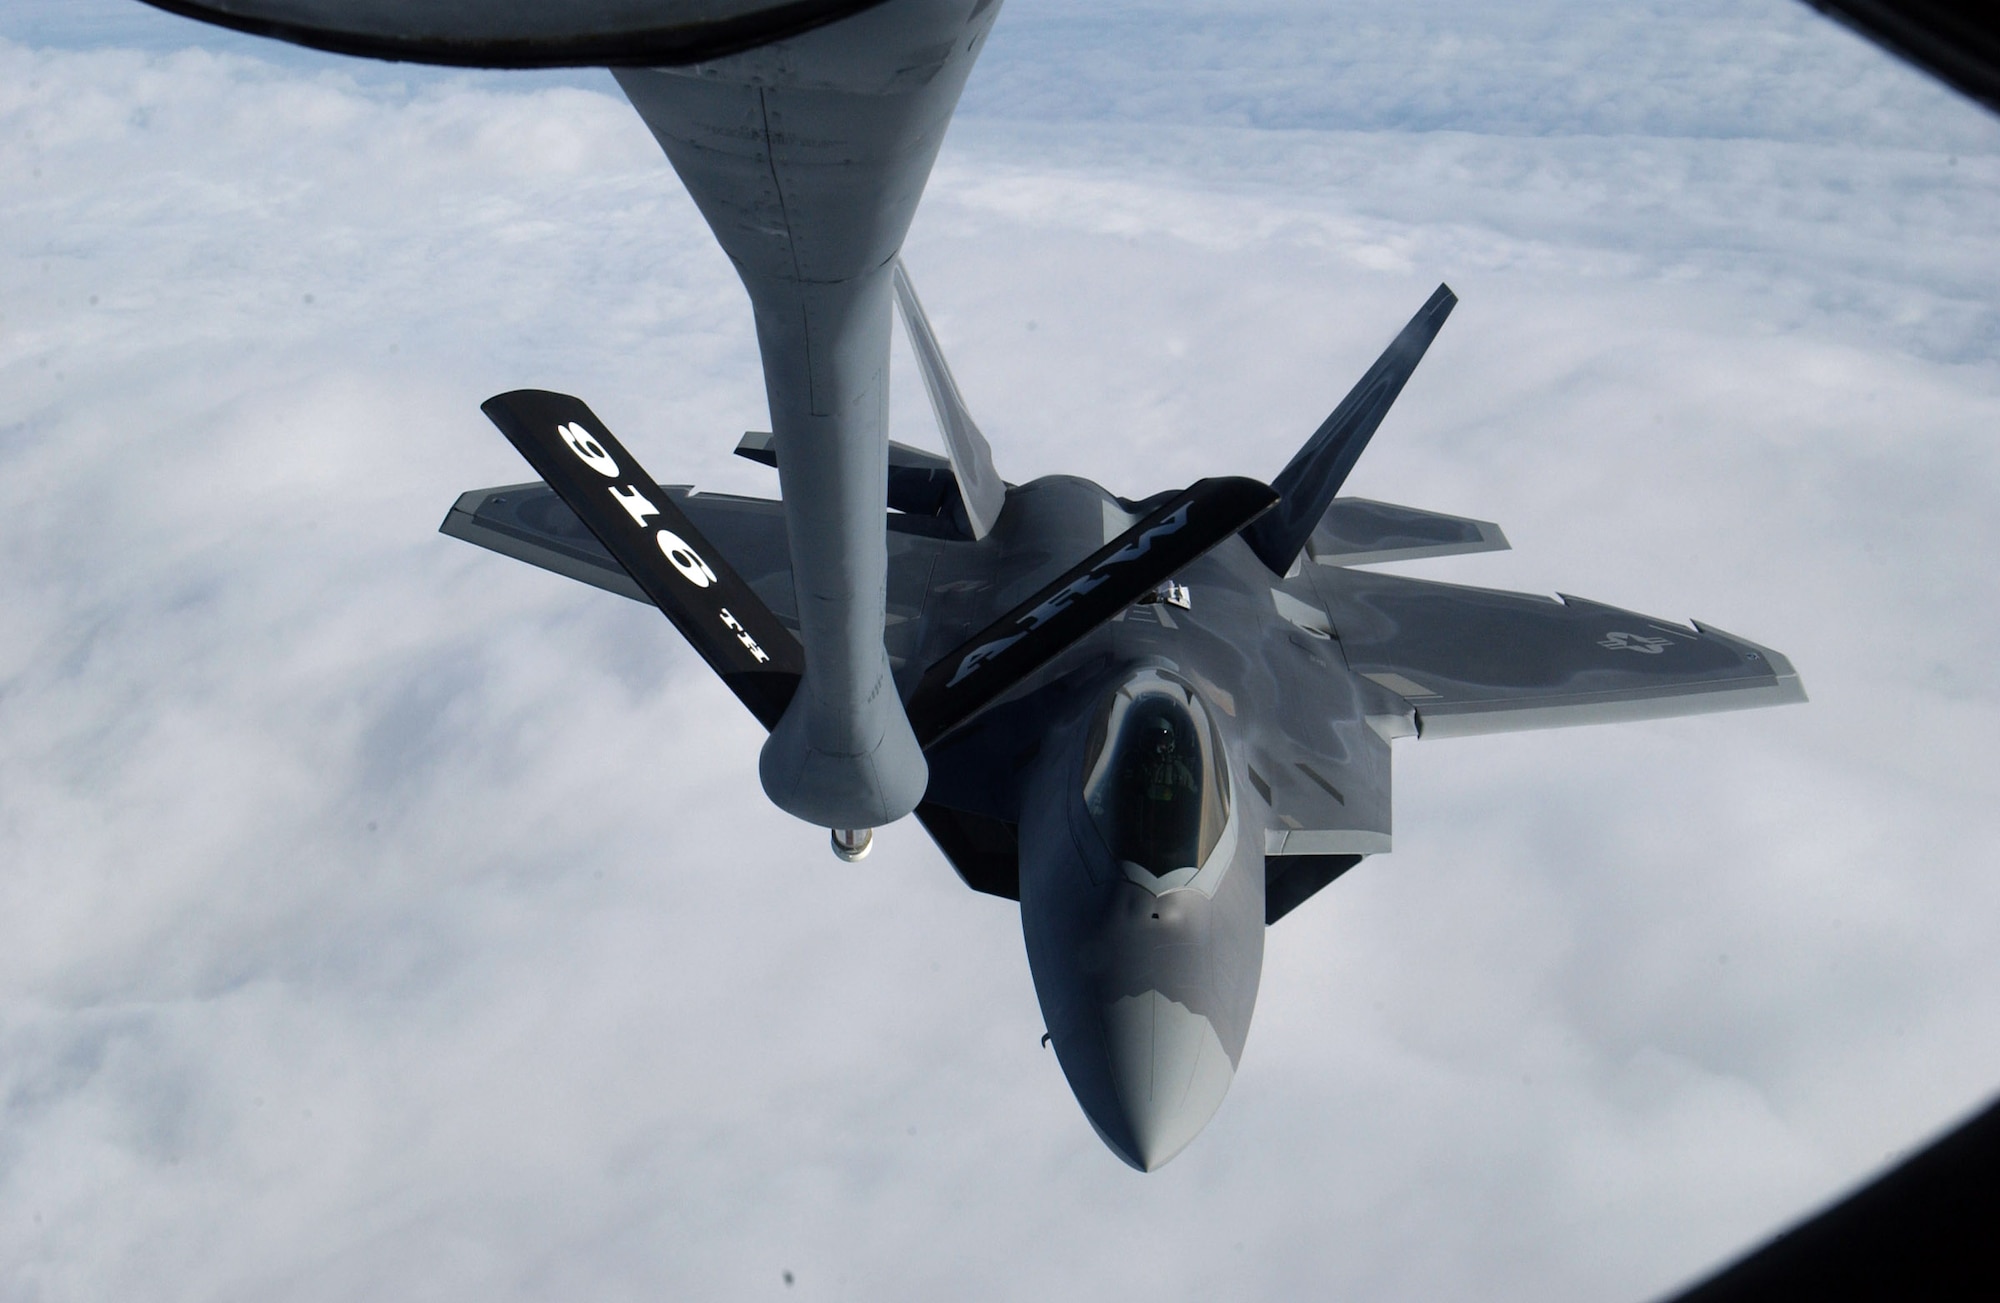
(921, 484)
(1308, 484)
(1110, 579)
(761, 446)
(1357, 532)
(648, 534)
(1476, 660)
(530, 523)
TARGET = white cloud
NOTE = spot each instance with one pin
(380, 915)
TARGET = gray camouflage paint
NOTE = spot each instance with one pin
(1149, 1016)
(807, 157)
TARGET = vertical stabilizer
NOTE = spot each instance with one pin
(979, 485)
(1308, 483)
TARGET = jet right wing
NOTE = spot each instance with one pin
(1475, 660)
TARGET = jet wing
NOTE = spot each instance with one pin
(1475, 660)
(1356, 531)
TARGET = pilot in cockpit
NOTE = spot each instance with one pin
(1153, 784)
(1166, 774)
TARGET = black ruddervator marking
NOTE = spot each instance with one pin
(1307, 485)
(1104, 583)
(757, 657)
(673, 564)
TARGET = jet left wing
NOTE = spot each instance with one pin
(1475, 660)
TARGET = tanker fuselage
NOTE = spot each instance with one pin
(807, 158)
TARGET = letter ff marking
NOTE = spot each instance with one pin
(743, 636)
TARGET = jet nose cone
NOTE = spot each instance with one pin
(1169, 1073)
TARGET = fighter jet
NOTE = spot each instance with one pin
(1159, 722)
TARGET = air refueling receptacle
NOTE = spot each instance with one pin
(852, 844)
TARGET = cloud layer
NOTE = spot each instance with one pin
(378, 915)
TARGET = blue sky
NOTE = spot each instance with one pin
(379, 915)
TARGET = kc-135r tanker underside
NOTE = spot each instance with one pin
(1160, 723)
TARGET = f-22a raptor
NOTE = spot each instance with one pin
(1160, 724)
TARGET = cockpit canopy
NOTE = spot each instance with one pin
(1155, 780)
